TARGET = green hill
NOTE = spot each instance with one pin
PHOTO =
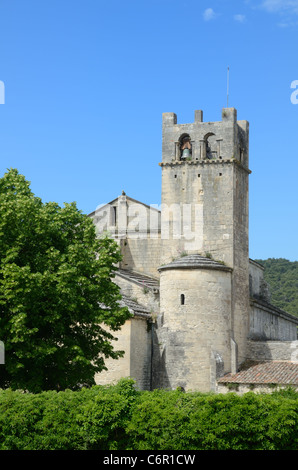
(282, 277)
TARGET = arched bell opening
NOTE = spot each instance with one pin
(185, 147)
(209, 152)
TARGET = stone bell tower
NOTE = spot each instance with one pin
(204, 278)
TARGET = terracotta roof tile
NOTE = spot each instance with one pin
(264, 373)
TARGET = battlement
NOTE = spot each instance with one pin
(199, 140)
(170, 119)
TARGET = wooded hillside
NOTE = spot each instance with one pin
(282, 277)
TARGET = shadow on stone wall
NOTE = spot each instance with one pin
(167, 349)
(272, 350)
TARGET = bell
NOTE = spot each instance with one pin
(185, 154)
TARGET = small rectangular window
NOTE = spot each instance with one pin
(182, 299)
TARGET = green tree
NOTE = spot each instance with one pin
(282, 277)
(58, 304)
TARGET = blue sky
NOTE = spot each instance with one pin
(86, 83)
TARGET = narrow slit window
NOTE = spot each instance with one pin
(182, 299)
(114, 215)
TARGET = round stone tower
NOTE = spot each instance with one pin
(196, 301)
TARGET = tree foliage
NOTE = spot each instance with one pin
(282, 277)
(58, 304)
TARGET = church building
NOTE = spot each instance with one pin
(201, 313)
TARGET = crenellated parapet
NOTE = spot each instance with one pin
(227, 139)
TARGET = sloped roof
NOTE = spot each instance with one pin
(270, 372)
(194, 262)
(135, 308)
(128, 198)
(140, 279)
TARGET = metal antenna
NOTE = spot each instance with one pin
(228, 87)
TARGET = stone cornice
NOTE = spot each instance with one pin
(195, 261)
(174, 163)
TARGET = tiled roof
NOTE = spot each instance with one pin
(274, 372)
(141, 279)
(135, 308)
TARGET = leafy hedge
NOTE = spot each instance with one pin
(121, 418)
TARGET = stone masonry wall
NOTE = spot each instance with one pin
(135, 339)
(188, 336)
(121, 367)
(240, 389)
(141, 352)
(267, 323)
(256, 274)
(273, 350)
(141, 255)
(138, 293)
(240, 285)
